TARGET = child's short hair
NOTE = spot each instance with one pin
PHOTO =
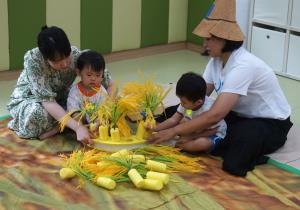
(192, 86)
(91, 59)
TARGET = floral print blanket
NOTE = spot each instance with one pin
(29, 179)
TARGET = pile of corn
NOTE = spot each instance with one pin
(149, 95)
(148, 168)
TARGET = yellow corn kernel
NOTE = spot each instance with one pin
(93, 127)
(158, 176)
(103, 163)
(115, 134)
(153, 123)
(121, 153)
(150, 123)
(140, 133)
(135, 177)
(152, 184)
(156, 166)
(103, 132)
(105, 182)
(66, 173)
(137, 158)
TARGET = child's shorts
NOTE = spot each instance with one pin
(215, 139)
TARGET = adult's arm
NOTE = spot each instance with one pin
(57, 112)
(222, 106)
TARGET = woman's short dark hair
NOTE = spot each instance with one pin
(192, 86)
(91, 59)
(230, 46)
(53, 43)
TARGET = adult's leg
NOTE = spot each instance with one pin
(30, 120)
(278, 137)
(249, 140)
(221, 149)
(49, 133)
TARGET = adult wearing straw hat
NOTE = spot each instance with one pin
(249, 96)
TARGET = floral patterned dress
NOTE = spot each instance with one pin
(39, 83)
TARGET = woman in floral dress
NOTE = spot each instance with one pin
(39, 98)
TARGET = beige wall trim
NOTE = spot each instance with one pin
(194, 47)
(141, 52)
(9, 75)
(124, 55)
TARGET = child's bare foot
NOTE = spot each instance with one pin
(50, 133)
(198, 145)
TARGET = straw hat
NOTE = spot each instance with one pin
(220, 22)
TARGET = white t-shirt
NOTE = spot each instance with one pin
(77, 97)
(208, 102)
(255, 82)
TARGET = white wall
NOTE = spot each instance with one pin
(242, 16)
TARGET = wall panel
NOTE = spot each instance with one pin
(96, 25)
(197, 10)
(66, 15)
(178, 13)
(25, 19)
(126, 31)
(4, 40)
(155, 22)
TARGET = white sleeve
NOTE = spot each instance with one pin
(207, 75)
(181, 110)
(238, 81)
(74, 101)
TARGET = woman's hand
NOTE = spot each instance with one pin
(162, 136)
(83, 135)
(58, 113)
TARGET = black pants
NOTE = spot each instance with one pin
(248, 140)
(167, 113)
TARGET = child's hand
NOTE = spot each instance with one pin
(161, 136)
(150, 128)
